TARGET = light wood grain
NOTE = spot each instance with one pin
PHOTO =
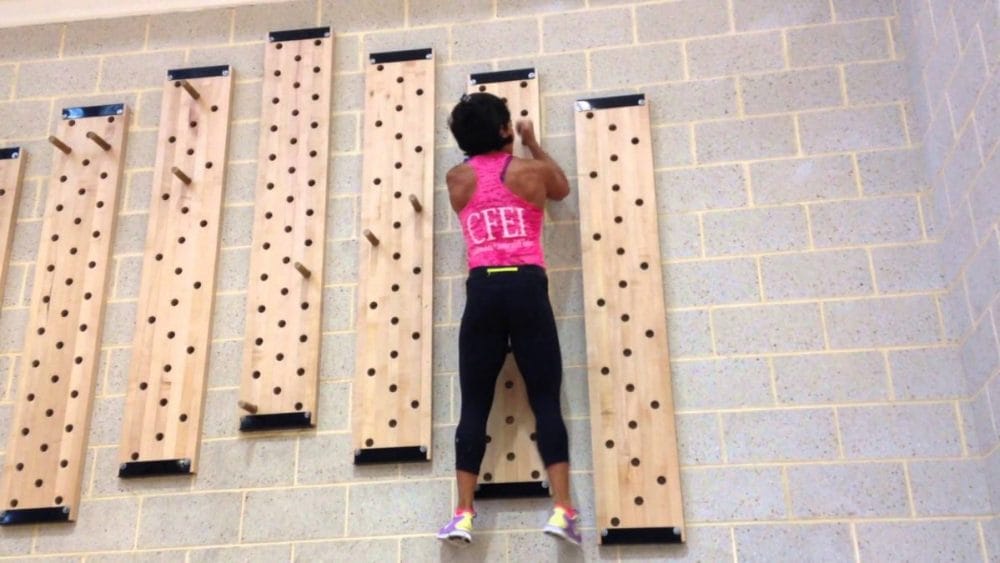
(636, 470)
(283, 330)
(11, 170)
(511, 453)
(47, 448)
(392, 385)
(166, 389)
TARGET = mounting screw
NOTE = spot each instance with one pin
(545, 484)
(15, 154)
(122, 467)
(472, 81)
(604, 532)
(184, 463)
(326, 33)
(531, 75)
(423, 449)
(225, 72)
(170, 76)
(65, 510)
(371, 60)
(306, 415)
(357, 453)
(270, 38)
(429, 56)
(677, 531)
(642, 102)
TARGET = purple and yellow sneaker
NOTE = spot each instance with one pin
(562, 525)
(459, 530)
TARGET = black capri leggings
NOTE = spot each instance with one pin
(502, 307)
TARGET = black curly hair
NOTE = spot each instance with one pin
(476, 121)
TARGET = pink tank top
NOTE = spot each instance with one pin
(500, 227)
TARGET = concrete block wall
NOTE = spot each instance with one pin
(820, 401)
(955, 108)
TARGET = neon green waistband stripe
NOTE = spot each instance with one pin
(499, 270)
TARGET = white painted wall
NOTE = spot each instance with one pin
(14, 13)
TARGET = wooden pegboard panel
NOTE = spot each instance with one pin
(47, 448)
(285, 297)
(11, 169)
(636, 470)
(512, 465)
(166, 388)
(391, 415)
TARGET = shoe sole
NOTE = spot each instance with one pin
(557, 532)
(457, 537)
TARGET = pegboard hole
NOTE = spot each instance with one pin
(416, 270)
(593, 173)
(68, 428)
(633, 424)
(661, 480)
(394, 320)
(590, 115)
(255, 375)
(605, 370)
(369, 442)
(394, 354)
(508, 384)
(396, 224)
(535, 474)
(159, 436)
(639, 202)
(392, 423)
(143, 386)
(279, 357)
(420, 91)
(650, 334)
(609, 444)
(635, 140)
(638, 501)
(163, 402)
(622, 284)
(597, 236)
(635, 462)
(511, 456)
(64, 463)
(393, 388)
(30, 397)
(300, 372)
(615, 521)
(277, 390)
(600, 302)
(614, 158)
(183, 418)
(625, 317)
(39, 483)
(620, 251)
(487, 477)
(414, 404)
(509, 420)
(627, 352)
(618, 219)
(298, 406)
(172, 139)
(654, 405)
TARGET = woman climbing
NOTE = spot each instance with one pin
(500, 201)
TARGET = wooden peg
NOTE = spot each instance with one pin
(303, 270)
(180, 175)
(371, 237)
(60, 145)
(249, 407)
(416, 203)
(190, 89)
(100, 141)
